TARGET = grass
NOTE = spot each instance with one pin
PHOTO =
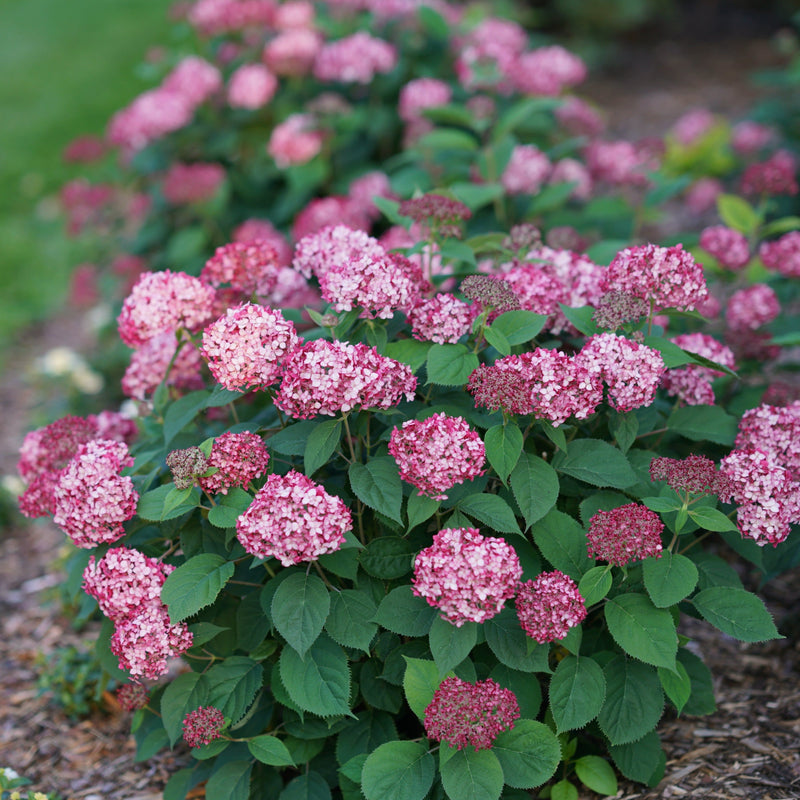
(67, 67)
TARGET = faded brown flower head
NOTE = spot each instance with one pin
(186, 465)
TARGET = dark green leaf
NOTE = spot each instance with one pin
(195, 585)
(270, 750)
(151, 505)
(704, 423)
(597, 774)
(491, 510)
(594, 585)
(669, 579)
(503, 446)
(404, 613)
(582, 318)
(701, 701)
(349, 620)
(470, 774)
(362, 736)
(524, 686)
(398, 771)
(388, 557)
(577, 692)
(596, 462)
(321, 444)
(419, 509)
(677, 685)
(508, 642)
(562, 541)
(184, 694)
(180, 413)
(291, 441)
(231, 781)
(563, 790)
(450, 364)
(409, 351)
(623, 428)
(420, 680)
(634, 700)
(642, 630)
(497, 339)
(711, 519)
(451, 645)
(309, 786)
(233, 684)
(736, 612)
(377, 484)
(519, 326)
(229, 508)
(299, 609)
(639, 760)
(535, 486)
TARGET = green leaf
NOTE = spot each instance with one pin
(663, 505)
(388, 557)
(291, 441)
(519, 326)
(270, 750)
(420, 680)
(577, 692)
(433, 23)
(403, 612)
(497, 339)
(535, 486)
(185, 693)
(596, 462)
(299, 609)
(476, 195)
(528, 753)
(491, 510)
(551, 197)
(204, 632)
(447, 139)
(597, 774)
(398, 771)
(671, 354)
(471, 774)
(180, 413)
(220, 396)
(642, 630)
(310, 786)
(231, 781)
(639, 760)
(151, 505)
(321, 444)
(521, 113)
(377, 484)
(524, 686)
(563, 790)
(195, 585)
(409, 351)
(737, 213)
(582, 318)
(736, 612)
(320, 683)
(233, 684)
(623, 428)
(508, 642)
(419, 509)
(503, 445)
(451, 645)
(363, 735)
(594, 585)
(782, 225)
(450, 364)
(711, 519)
(704, 423)
(349, 620)
(677, 685)
(634, 700)
(701, 701)
(229, 508)
(562, 541)
(669, 579)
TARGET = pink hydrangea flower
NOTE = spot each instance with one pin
(536, 289)
(748, 137)
(527, 170)
(150, 116)
(692, 126)
(692, 475)
(293, 52)
(667, 277)
(355, 59)
(692, 384)
(549, 606)
(436, 453)
(114, 425)
(364, 190)
(132, 696)
(91, 499)
(149, 364)
(547, 71)
(192, 183)
(570, 170)
(246, 347)
(728, 246)
(145, 641)
(322, 377)
(782, 255)
(212, 17)
(774, 430)
(752, 307)
(442, 318)
(195, 79)
(631, 371)
(293, 14)
(202, 726)
(579, 118)
(293, 519)
(487, 55)
(624, 535)
(164, 301)
(253, 231)
(422, 93)
(296, 140)
(250, 268)
(333, 211)
(776, 175)
(468, 577)
(619, 163)
(251, 86)
(702, 195)
(124, 581)
(238, 458)
(470, 714)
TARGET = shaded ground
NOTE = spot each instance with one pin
(748, 748)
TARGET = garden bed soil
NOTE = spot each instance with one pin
(747, 749)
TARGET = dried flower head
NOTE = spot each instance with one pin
(497, 386)
(615, 309)
(442, 215)
(186, 465)
(693, 474)
(522, 238)
(132, 696)
(626, 534)
(490, 292)
(549, 606)
(238, 458)
(203, 726)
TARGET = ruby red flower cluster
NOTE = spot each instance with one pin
(548, 606)
(202, 726)
(625, 535)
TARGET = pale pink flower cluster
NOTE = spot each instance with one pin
(327, 212)
(579, 118)
(85, 203)
(775, 430)
(251, 86)
(114, 425)
(292, 52)
(692, 126)
(667, 277)
(748, 137)
(468, 577)
(527, 170)
(443, 319)
(752, 307)
(548, 606)
(422, 93)
(167, 108)
(466, 714)
(355, 59)
(149, 364)
(164, 301)
(250, 268)
(692, 384)
(322, 377)
(202, 726)
(293, 519)
(619, 163)
(91, 500)
(776, 175)
(767, 495)
(124, 580)
(487, 55)
(631, 371)
(702, 195)
(212, 17)
(132, 696)
(624, 535)
(535, 288)
(238, 458)
(293, 14)
(192, 183)
(364, 190)
(296, 140)
(254, 230)
(728, 246)
(436, 453)
(570, 170)
(783, 255)
(245, 347)
(547, 71)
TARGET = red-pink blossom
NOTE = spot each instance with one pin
(692, 384)
(547, 71)
(238, 459)
(527, 170)
(692, 126)
(202, 726)
(296, 140)
(293, 519)
(293, 52)
(693, 474)
(149, 364)
(212, 17)
(262, 230)
(150, 116)
(549, 606)
(420, 94)
(774, 430)
(748, 137)
(195, 79)
(570, 170)
(752, 307)
(782, 255)
(355, 59)
(327, 212)
(251, 86)
(702, 195)
(132, 696)
(442, 318)
(728, 246)
(619, 163)
(364, 190)
(250, 268)
(192, 183)
(468, 577)
(579, 118)
(624, 535)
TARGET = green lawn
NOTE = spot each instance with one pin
(66, 68)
